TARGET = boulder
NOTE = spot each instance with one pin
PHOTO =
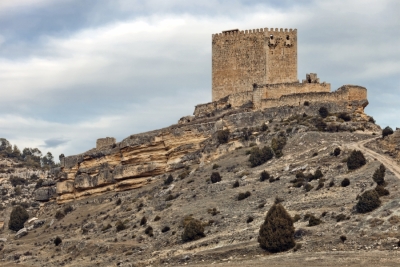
(21, 233)
(45, 193)
(3, 239)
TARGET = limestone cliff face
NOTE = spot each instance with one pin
(132, 162)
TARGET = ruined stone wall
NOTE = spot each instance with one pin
(278, 90)
(346, 93)
(104, 142)
(242, 58)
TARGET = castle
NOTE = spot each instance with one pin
(258, 69)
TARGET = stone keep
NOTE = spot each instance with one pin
(243, 58)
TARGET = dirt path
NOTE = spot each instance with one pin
(387, 161)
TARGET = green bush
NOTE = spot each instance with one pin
(379, 175)
(57, 241)
(18, 217)
(356, 160)
(387, 131)
(345, 182)
(277, 232)
(336, 152)
(368, 201)
(381, 191)
(278, 143)
(260, 156)
(323, 112)
(242, 196)
(264, 176)
(215, 177)
(193, 230)
(223, 136)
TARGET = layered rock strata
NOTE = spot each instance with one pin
(132, 162)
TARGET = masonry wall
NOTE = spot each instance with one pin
(243, 58)
(104, 142)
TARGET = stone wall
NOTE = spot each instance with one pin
(242, 58)
(104, 142)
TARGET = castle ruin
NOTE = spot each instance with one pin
(258, 69)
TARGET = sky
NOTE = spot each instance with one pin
(72, 71)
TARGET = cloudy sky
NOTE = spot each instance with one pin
(72, 71)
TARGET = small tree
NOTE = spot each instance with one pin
(223, 136)
(260, 156)
(278, 143)
(215, 177)
(193, 230)
(387, 131)
(18, 217)
(356, 160)
(277, 231)
(379, 175)
(323, 112)
(368, 201)
(57, 241)
(264, 176)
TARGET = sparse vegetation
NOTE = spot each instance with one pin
(223, 136)
(323, 112)
(387, 131)
(215, 177)
(277, 232)
(264, 176)
(345, 182)
(336, 152)
(165, 229)
(59, 215)
(193, 230)
(313, 221)
(260, 156)
(149, 231)
(278, 143)
(236, 184)
(143, 221)
(356, 160)
(169, 180)
(368, 201)
(379, 175)
(57, 241)
(343, 238)
(18, 217)
(119, 226)
(249, 219)
(381, 191)
(242, 196)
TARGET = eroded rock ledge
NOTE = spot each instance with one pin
(132, 162)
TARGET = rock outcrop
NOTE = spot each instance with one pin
(132, 162)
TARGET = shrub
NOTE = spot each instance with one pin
(169, 180)
(184, 174)
(165, 229)
(213, 211)
(387, 131)
(260, 156)
(68, 209)
(242, 196)
(143, 221)
(263, 127)
(236, 184)
(272, 179)
(306, 103)
(18, 217)
(344, 116)
(308, 187)
(215, 177)
(381, 191)
(193, 230)
(223, 136)
(277, 145)
(118, 202)
(343, 238)
(336, 152)
(296, 218)
(14, 180)
(215, 166)
(249, 219)
(368, 201)
(356, 160)
(297, 247)
(332, 183)
(120, 226)
(149, 231)
(313, 221)
(171, 197)
(264, 176)
(320, 185)
(39, 183)
(345, 182)
(319, 124)
(157, 218)
(379, 175)
(323, 112)
(340, 217)
(59, 215)
(277, 232)
(57, 241)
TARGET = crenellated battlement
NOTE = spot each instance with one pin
(237, 32)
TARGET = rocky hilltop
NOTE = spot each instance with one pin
(141, 158)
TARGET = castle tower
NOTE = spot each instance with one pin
(243, 58)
